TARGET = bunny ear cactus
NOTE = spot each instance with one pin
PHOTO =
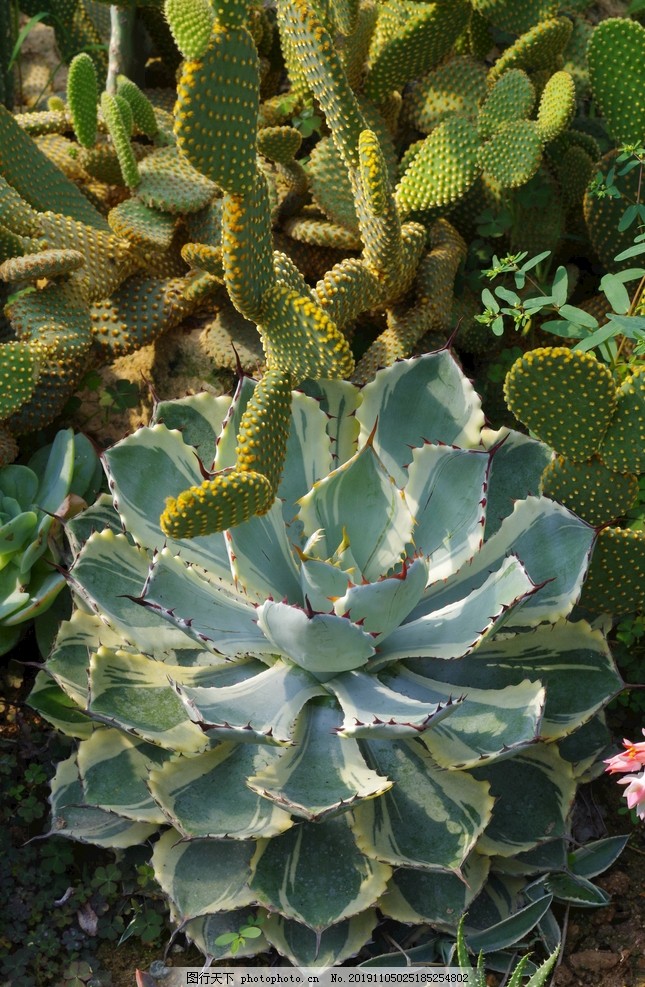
(313, 712)
(597, 463)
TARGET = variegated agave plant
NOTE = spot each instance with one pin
(369, 698)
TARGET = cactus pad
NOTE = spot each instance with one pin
(513, 154)
(516, 16)
(15, 213)
(300, 338)
(566, 397)
(18, 373)
(216, 113)
(44, 264)
(536, 49)
(143, 113)
(623, 446)
(280, 144)
(134, 221)
(557, 106)
(170, 184)
(511, 98)
(190, 23)
(443, 169)
(616, 580)
(589, 489)
(82, 98)
(424, 37)
(616, 57)
(457, 86)
(247, 248)
(119, 129)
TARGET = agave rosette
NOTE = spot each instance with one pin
(358, 700)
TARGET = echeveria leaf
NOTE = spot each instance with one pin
(322, 773)
(321, 643)
(315, 874)
(430, 819)
(207, 795)
(203, 876)
(425, 399)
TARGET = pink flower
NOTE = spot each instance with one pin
(632, 757)
(635, 792)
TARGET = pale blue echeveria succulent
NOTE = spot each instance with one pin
(35, 499)
(372, 697)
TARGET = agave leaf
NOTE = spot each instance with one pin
(207, 795)
(76, 638)
(571, 661)
(109, 576)
(374, 710)
(425, 399)
(321, 773)
(262, 561)
(135, 692)
(359, 503)
(323, 584)
(55, 706)
(73, 818)
(308, 458)
(202, 876)
(417, 896)
(113, 769)
(430, 819)
(482, 726)
(339, 400)
(516, 470)
(332, 946)
(531, 802)
(552, 544)
(321, 643)
(261, 709)
(460, 626)
(381, 606)
(99, 516)
(315, 874)
(206, 610)
(199, 418)
(225, 454)
(205, 930)
(442, 494)
(146, 468)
